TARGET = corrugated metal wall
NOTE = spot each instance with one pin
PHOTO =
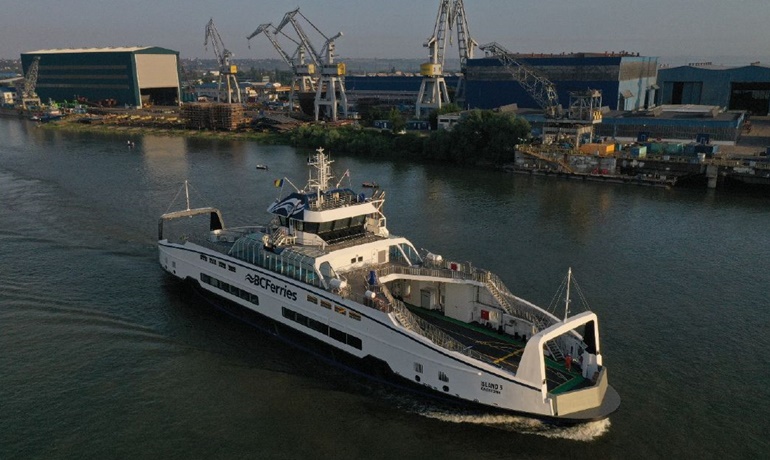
(491, 85)
(711, 85)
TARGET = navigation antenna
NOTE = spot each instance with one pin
(323, 173)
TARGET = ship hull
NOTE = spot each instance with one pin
(357, 337)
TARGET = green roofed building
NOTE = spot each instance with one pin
(134, 76)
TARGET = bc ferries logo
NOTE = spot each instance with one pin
(288, 207)
(268, 285)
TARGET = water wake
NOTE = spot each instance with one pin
(584, 432)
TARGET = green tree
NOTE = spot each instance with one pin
(397, 120)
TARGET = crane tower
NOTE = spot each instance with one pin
(303, 79)
(226, 69)
(433, 91)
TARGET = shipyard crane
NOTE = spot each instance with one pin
(433, 91)
(537, 86)
(28, 97)
(465, 44)
(330, 89)
(291, 18)
(303, 73)
(225, 67)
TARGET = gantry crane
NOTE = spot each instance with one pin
(26, 90)
(465, 45)
(433, 91)
(303, 73)
(226, 69)
(331, 87)
(328, 75)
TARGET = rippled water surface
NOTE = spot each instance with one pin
(103, 356)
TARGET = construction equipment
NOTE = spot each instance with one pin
(537, 86)
(465, 45)
(303, 73)
(331, 87)
(28, 98)
(330, 94)
(433, 91)
(329, 84)
(226, 69)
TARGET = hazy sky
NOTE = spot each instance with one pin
(398, 28)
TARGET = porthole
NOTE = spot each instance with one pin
(416, 378)
(446, 388)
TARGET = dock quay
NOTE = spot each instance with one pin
(661, 164)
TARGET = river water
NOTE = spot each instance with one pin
(104, 356)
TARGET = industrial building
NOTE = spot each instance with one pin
(627, 81)
(134, 76)
(733, 88)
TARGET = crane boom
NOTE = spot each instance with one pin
(465, 43)
(290, 18)
(265, 30)
(537, 86)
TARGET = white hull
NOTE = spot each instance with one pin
(364, 331)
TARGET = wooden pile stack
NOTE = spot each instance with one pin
(197, 115)
(226, 116)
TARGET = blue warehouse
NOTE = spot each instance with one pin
(627, 81)
(733, 88)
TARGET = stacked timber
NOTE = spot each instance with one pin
(204, 115)
(226, 116)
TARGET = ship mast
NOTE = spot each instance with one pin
(566, 299)
(323, 173)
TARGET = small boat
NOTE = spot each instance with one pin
(370, 185)
(262, 167)
(328, 275)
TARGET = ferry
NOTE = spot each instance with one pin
(327, 271)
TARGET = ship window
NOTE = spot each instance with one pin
(254, 299)
(443, 377)
(339, 309)
(353, 260)
(337, 335)
(312, 299)
(224, 286)
(360, 258)
(302, 319)
(213, 261)
(222, 265)
(318, 326)
(231, 268)
(311, 227)
(203, 257)
(326, 304)
(418, 367)
(205, 278)
(354, 341)
(288, 314)
(354, 315)
(325, 227)
(244, 295)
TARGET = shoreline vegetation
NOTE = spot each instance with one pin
(482, 137)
